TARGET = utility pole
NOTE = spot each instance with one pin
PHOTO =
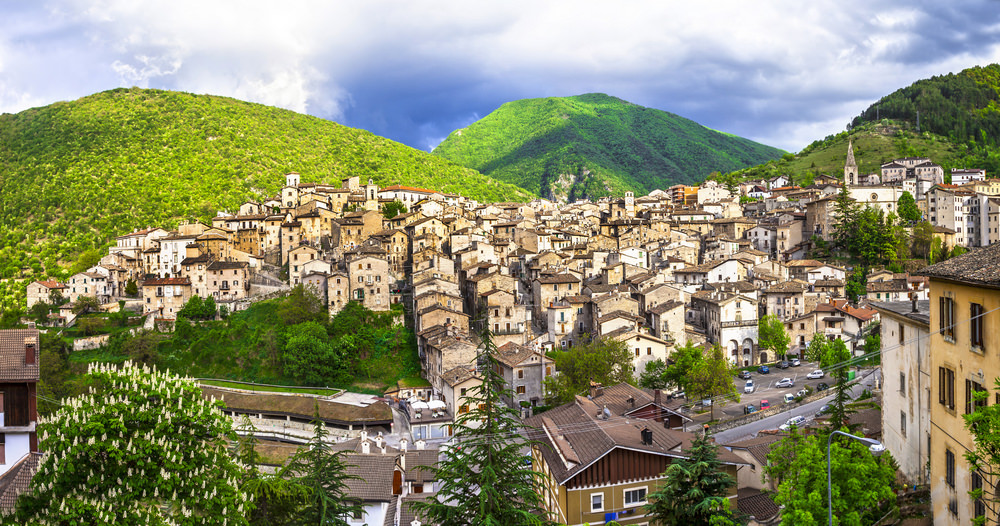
(918, 121)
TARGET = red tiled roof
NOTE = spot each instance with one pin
(51, 284)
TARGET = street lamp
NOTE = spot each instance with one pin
(874, 446)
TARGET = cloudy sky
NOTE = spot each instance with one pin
(780, 72)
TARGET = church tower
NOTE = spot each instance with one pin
(851, 166)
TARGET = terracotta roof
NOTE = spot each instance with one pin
(512, 354)
(980, 266)
(557, 278)
(373, 474)
(51, 284)
(17, 479)
(757, 504)
(576, 433)
(166, 281)
(12, 355)
(302, 405)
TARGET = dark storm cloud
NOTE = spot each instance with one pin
(784, 72)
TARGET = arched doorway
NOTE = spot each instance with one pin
(763, 357)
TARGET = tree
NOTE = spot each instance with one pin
(143, 347)
(301, 305)
(861, 481)
(984, 458)
(321, 470)
(694, 489)
(856, 285)
(835, 362)
(131, 289)
(713, 379)
(86, 304)
(144, 447)
(678, 372)
(654, 375)
(309, 356)
(907, 207)
(603, 361)
(484, 480)
(922, 240)
(393, 209)
(817, 348)
(275, 498)
(90, 326)
(40, 311)
(771, 334)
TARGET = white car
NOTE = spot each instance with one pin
(818, 373)
(785, 382)
(748, 388)
(796, 421)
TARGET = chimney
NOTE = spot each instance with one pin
(596, 390)
(420, 444)
(913, 301)
(647, 436)
(403, 444)
(631, 402)
(378, 440)
(29, 350)
(366, 446)
(657, 397)
(364, 436)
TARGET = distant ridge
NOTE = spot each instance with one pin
(594, 145)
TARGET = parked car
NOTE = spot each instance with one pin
(763, 369)
(802, 392)
(823, 410)
(764, 404)
(706, 402)
(795, 362)
(748, 388)
(750, 408)
(789, 398)
(818, 373)
(793, 421)
(783, 364)
(744, 375)
(822, 386)
(785, 382)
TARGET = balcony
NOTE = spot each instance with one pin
(739, 323)
(506, 332)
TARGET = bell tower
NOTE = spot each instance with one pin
(850, 166)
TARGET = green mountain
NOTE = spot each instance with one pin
(73, 175)
(595, 145)
(958, 127)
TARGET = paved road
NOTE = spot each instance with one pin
(807, 410)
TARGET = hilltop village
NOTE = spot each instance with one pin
(686, 265)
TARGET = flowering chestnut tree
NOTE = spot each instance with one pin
(142, 447)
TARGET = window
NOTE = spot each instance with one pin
(358, 514)
(520, 373)
(596, 502)
(637, 352)
(949, 468)
(946, 318)
(548, 372)
(971, 388)
(649, 351)
(462, 409)
(902, 423)
(520, 389)
(946, 387)
(635, 497)
(902, 384)
(979, 507)
(976, 326)
(901, 331)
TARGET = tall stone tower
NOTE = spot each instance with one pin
(851, 166)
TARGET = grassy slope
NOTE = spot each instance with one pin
(532, 142)
(73, 175)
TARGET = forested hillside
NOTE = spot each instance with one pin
(73, 175)
(959, 127)
(595, 145)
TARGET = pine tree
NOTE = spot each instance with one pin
(694, 489)
(323, 472)
(275, 498)
(484, 478)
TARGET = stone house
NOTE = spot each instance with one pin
(338, 291)
(90, 284)
(369, 277)
(546, 289)
(227, 280)
(45, 291)
(165, 296)
(524, 370)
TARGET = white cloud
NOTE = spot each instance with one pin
(732, 65)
